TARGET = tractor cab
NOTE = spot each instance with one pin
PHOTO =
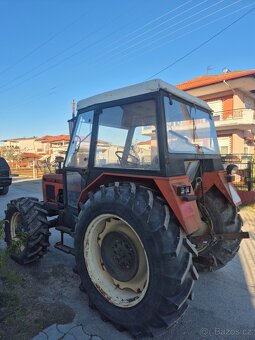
(148, 129)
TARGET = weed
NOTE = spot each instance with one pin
(15, 246)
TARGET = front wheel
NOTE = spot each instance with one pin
(133, 259)
(26, 230)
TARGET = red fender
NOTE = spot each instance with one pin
(187, 213)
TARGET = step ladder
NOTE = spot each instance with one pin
(60, 245)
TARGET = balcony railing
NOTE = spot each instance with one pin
(234, 114)
(234, 117)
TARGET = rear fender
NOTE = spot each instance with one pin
(218, 179)
(186, 212)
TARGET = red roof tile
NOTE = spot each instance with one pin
(146, 142)
(30, 155)
(50, 139)
(213, 79)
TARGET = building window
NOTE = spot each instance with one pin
(217, 107)
(224, 150)
(246, 150)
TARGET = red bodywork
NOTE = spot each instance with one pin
(187, 213)
(218, 179)
(55, 180)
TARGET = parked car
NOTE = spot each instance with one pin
(5, 176)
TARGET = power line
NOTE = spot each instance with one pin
(49, 92)
(202, 44)
(76, 53)
(65, 28)
(180, 36)
(30, 98)
(95, 43)
(154, 27)
(154, 20)
(102, 27)
(175, 24)
(189, 25)
(208, 39)
(187, 33)
(171, 33)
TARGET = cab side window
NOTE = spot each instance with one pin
(127, 137)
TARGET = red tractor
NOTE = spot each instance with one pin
(144, 195)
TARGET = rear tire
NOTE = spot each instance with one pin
(163, 254)
(26, 216)
(4, 191)
(224, 219)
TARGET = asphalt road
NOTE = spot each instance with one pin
(224, 303)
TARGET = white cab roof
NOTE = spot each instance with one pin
(138, 89)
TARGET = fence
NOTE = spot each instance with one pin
(245, 177)
(34, 169)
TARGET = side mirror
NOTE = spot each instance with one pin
(232, 169)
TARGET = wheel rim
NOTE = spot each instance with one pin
(15, 223)
(116, 260)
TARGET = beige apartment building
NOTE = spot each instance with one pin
(29, 149)
(231, 96)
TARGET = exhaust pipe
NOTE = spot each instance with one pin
(71, 121)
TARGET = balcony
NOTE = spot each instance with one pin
(148, 130)
(238, 119)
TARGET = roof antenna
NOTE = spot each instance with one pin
(209, 68)
(226, 70)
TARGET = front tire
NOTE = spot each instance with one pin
(133, 259)
(26, 222)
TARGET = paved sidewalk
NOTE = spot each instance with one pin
(69, 331)
(229, 306)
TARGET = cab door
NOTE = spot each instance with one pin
(77, 159)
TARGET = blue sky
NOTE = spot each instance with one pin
(55, 50)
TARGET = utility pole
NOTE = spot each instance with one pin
(35, 169)
(73, 108)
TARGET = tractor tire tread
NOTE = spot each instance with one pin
(230, 221)
(33, 220)
(178, 274)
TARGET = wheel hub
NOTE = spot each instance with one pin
(16, 225)
(119, 256)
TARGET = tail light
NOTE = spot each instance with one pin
(183, 190)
